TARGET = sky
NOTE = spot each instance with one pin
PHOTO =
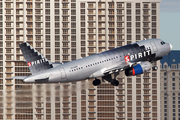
(170, 22)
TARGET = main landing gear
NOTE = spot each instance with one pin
(96, 82)
(108, 78)
(112, 81)
(153, 65)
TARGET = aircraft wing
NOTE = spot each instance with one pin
(119, 68)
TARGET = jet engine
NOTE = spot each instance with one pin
(138, 69)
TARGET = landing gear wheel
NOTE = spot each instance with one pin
(154, 67)
(96, 82)
(114, 82)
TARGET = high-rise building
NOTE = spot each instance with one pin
(170, 86)
(65, 30)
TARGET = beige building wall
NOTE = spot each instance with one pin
(170, 94)
(65, 30)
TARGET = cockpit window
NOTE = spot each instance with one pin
(162, 43)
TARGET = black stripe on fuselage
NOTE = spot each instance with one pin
(136, 53)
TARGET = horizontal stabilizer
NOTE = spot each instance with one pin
(19, 77)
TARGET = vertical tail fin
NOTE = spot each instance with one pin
(34, 59)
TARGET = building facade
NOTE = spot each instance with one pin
(65, 30)
(170, 86)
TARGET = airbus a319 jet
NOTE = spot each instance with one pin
(133, 59)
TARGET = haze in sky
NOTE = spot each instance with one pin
(170, 22)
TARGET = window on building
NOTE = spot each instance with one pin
(82, 18)
(82, 5)
(57, 24)
(73, 12)
(56, 5)
(57, 12)
(128, 18)
(174, 98)
(82, 30)
(119, 5)
(47, 5)
(73, 31)
(138, 24)
(138, 5)
(57, 31)
(164, 73)
(47, 18)
(73, 38)
(73, 25)
(65, 18)
(47, 11)
(65, 12)
(128, 5)
(65, 5)
(47, 31)
(174, 106)
(173, 74)
(82, 11)
(57, 38)
(83, 24)
(153, 5)
(174, 66)
(56, 18)
(73, 5)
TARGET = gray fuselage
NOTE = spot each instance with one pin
(99, 64)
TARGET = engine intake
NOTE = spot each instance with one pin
(138, 69)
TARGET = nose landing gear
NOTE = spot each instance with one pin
(154, 67)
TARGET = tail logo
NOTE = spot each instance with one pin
(29, 63)
(36, 62)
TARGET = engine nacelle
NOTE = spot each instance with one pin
(138, 69)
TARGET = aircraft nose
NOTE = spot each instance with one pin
(170, 46)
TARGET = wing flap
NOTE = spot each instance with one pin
(113, 69)
(119, 68)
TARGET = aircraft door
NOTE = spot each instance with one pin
(63, 74)
(154, 46)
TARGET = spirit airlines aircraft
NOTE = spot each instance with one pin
(134, 59)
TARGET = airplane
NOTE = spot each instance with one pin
(134, 59)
